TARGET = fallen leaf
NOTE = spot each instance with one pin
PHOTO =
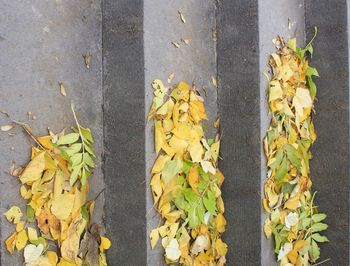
(213, 81)
(62, 206)
(21, 240)
(182, 16)
(171, 77)
(87, 60)
(177, 45)
(32, 252)
(172, 251)
(14, 214)
(6, 127)
(62, 89)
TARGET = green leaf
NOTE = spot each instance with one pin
(84, 175)
(171, 169)
(89, 149)
(315, 250)
(68, 139)
(210, 141)
(30, 213)
(282, 170)
(317, 237)
(73, 149)
(40, 240)
(210, 202)
(200, 212)
(293, 155)
(86, 134)
(193, 218)
(319, 227)
(85, 213)
(76, 159)
(190, 196)
(311, 71)
(75, 174)
(186, 167)
(312, 86)
(318, 217)
(305, 222)
(88, 160)
(292, 44)
(277, 162)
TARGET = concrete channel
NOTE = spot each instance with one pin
(42, 43)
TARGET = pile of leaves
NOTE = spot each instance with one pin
(294, 220)
(57, 228)
(186, 180)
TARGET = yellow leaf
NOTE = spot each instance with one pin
(193, 178)
(105, 243)
(196, 151)
(64, 262)
(157, 188)
(45, 141)
(292, 203)
(214, 149)
(275, 91)
(220, 223)
(34, 169)
(221, 247)
(14, 214)
(302, 99)
(154, 237)
(20, 226)
(10, 242)
(208, 167)
(26, 194)
(267, 228)
(32, 234)
(62, 206)
(21, 240)
(160, 163)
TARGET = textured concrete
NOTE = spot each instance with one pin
(330, 165)
(42, 43)
(273, 21)
(124, 143)
(239, 106)
(195, 62)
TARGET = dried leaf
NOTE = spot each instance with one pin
(182, 16)
(176, 44)
(171, 77)
(62, 89)
(6, 127)
(87, 60)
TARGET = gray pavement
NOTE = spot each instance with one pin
(42, 43)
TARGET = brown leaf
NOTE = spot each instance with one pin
(62, 89)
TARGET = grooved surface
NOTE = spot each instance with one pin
(330, 165)
(239, 105)
(124, 123)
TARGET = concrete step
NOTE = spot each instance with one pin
(130, 41)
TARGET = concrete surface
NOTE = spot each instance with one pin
(285, 18)
(195, 62)
(44, 42)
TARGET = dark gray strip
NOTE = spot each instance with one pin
(239, 94)
(124, 114)
(330, 165)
